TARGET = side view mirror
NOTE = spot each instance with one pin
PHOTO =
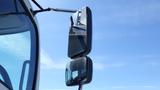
(80, 34)
(79, 71)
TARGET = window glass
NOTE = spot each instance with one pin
(14, 50)
(16, 33)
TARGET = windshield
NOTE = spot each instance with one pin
(17, 60)
(14, 51)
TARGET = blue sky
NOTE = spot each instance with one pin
(126, 44)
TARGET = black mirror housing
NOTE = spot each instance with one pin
(79, 71)
(80, 34)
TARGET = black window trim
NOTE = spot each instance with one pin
(36, 42)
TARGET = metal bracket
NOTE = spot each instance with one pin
(50, 9)
(80, 87)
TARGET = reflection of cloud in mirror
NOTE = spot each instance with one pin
(74, 74)
(83, 17)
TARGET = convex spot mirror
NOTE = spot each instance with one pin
(80, 34)
(79, 71)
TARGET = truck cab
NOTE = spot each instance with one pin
(19, 47)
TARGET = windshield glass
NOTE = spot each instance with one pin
(14, 50)
(16, 33)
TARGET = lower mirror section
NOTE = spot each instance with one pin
(79, 71)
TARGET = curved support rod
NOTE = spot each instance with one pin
(50, 9)
(54, 9)
(5, 77)
(23, 74)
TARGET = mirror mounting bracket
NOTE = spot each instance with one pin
(80, 87)
(50, 9)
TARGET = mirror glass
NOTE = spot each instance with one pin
(79, 71)
(80, 33)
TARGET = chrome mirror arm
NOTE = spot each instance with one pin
(50, 9)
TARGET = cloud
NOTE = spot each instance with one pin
(151, 59)
(153, 64)
(131, 13)
(54, 89)
(105, 66)
(116, 65)
(134, 86)
(119, 87)
(99, 62)
(48, 63)
(102, 63)
(151, 56)
(98, 66)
